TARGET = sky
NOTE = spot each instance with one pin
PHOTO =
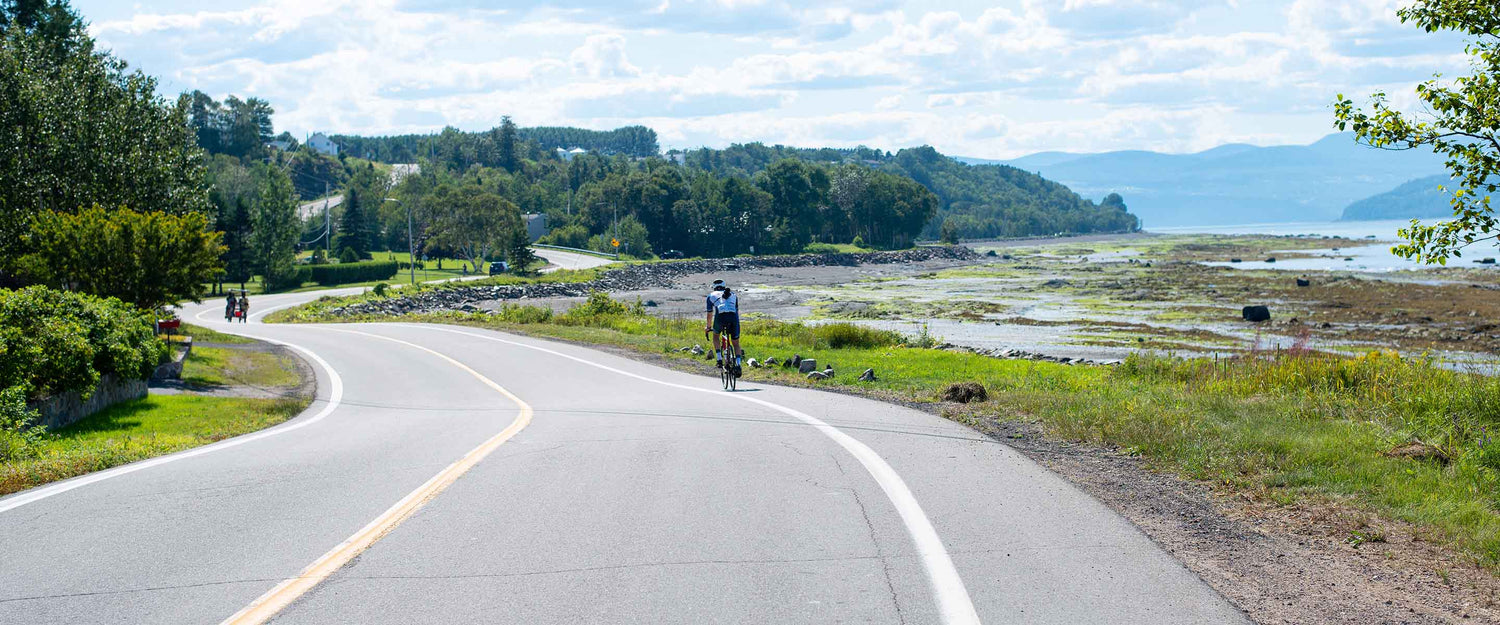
(996, 79)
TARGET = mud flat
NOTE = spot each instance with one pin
(1103, 297)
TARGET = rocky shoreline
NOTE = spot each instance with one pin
(630, 278)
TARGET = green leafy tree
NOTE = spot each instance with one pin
(77, 129)
(473, 223)
(148, 259)
(53, 21)
(1460, 122)
(949, 234)
(275, 231)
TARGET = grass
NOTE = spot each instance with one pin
(201, 334)
(1278, 427)
(216, 366)
(141, 429)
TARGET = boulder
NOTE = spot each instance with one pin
(828, 371)
(1271, 259)
(806, 365)
(771, 362)
(817, 375)
(697, 350)
(1304, 282)
(991, 253)
(754, 364)
(867, 376)
(1256, 314)
(651, 303)
(796, 361)
(965, 392)
(1055, 283)
(1235, 260)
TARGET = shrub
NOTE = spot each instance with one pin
(858, 241)
(292, 279)
(348, 255)
(19, 439)
(516, 313)
(820, 248)
(842, 335)
(380, 289)
(347, 273)
(54, 342)
(599, 304)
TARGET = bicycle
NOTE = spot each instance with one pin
(727, 371)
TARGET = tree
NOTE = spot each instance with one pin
(473, 223)
(506, 144)
(518, 251)
(354, 228)
(275, 231)
(78, 130)
(950, 233)
(148, 259)
(52, 20)
(1460, 122)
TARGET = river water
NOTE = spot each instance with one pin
(1373, 256)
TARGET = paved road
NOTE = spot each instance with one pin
(569, 260)
(451, 475)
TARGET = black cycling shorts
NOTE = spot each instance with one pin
(727, 323)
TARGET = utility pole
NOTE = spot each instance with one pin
(327, 225)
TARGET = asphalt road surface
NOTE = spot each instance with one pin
(453, 475)
(569, 260)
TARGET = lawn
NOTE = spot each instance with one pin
(218, 366)
(1279, 428)
(141, 429)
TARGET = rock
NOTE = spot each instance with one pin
(806, 365)
(771, 362)
(1007, 257)
(1348, 259)
(754, 364)
(991, 253)
(796, 361)
(828, 371)
(651, 303)
(1055, 283)
(697, 350)
(817, 375)
(1235, 260)
(1418, 450)
(1325, 325)
(965, 392)
(867, 376)
(1271, 259)
(1256, 314)
(1304, 282)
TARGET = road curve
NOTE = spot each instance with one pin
(413, 490)
(569, 260)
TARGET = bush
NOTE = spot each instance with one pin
(820, 248)
(348, 255)
(516, 313)
(380, 289)
(842, 335)
(858, 241)
(19, 439)
(567, 236)
(599, 304)
(54, 342)
(347, 273)
(293, 279)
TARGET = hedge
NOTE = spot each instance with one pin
(54, 341)
(345, 273)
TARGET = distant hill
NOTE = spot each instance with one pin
(1418, 199)
(981, 200)
(1236, 183)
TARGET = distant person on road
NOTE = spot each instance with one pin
(244, 308)
(229, 306)
(723, 317)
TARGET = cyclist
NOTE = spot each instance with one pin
(244, 307)
(723, 317)
(229, 304)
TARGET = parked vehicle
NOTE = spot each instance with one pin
(670, 255)
(498, 267)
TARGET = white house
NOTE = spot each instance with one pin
(536, 226)
(322, 143)
(567, 155)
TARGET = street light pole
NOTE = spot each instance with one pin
(411, 250)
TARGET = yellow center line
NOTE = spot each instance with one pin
(288, 591)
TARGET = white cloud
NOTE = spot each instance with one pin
(992, 81)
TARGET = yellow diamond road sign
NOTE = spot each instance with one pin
(614, 242)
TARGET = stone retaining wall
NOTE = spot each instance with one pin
(67, 408)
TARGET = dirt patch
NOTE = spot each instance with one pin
(305, 387)
(1310, 563)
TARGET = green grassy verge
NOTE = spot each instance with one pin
(201, 334)
(1279, 428)
(141, 429)
(217, 366)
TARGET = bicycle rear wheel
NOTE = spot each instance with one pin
(726, 377)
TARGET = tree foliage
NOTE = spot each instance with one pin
(148, 259)
(54, 342)
(78, 129)
(1460, 122)
(275, 231)
(472, 222)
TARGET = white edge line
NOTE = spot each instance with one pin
(335, 396)
(954, 604)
